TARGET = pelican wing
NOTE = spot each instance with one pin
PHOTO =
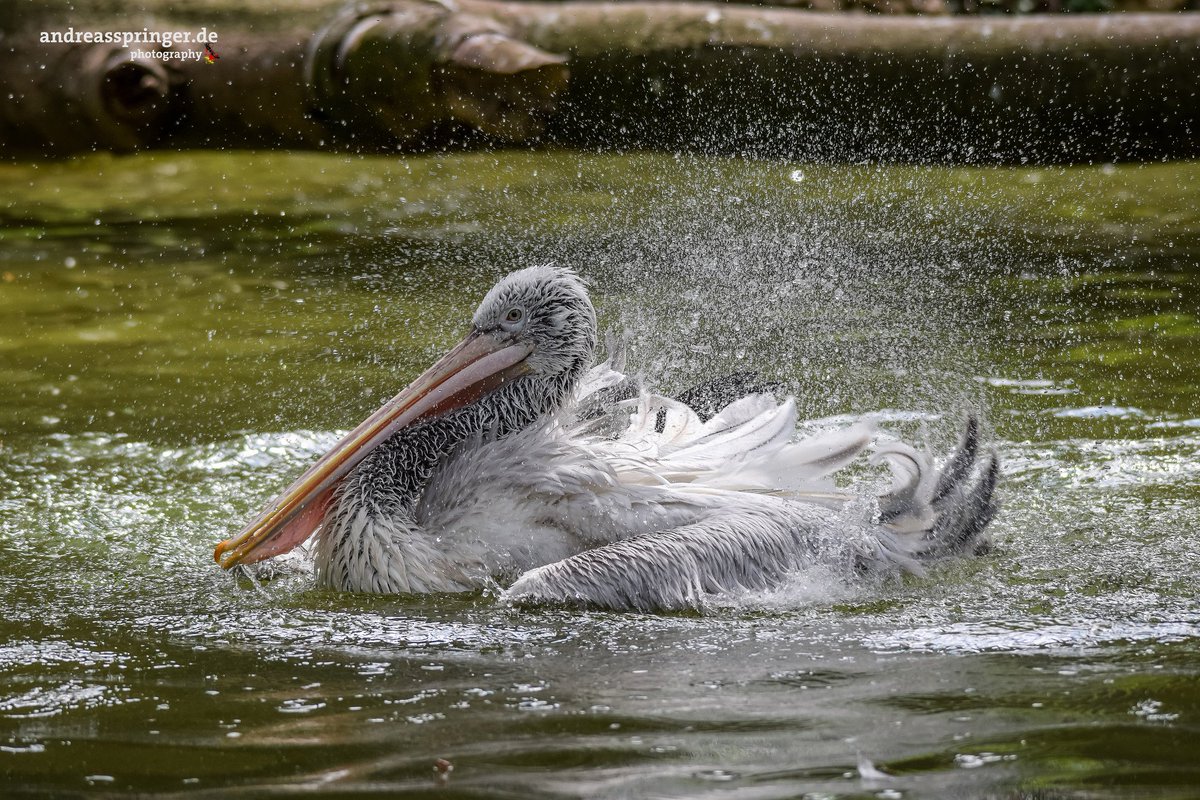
(744, 549)
(749, 542)
(746, 447)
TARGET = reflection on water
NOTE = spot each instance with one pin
(185, 333)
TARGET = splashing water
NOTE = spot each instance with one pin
(171, 363)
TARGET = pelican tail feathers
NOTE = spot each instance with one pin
(936, 514)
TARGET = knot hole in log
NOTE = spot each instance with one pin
(136, 92)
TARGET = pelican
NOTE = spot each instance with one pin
(512, 462)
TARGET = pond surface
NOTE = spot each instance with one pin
(183, 333)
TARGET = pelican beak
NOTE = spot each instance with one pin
(475, 367)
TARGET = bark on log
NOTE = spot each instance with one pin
(775, 82)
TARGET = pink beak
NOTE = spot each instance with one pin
(475, 367)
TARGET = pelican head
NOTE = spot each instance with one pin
(531, 340)
(546, 309)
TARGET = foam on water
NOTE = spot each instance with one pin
(1089, 498)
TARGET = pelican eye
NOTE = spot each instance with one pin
(514, 317)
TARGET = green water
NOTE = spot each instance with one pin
(182, 333)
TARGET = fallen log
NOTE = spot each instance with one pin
(773, 82)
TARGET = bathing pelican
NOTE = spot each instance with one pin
(509, 462)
